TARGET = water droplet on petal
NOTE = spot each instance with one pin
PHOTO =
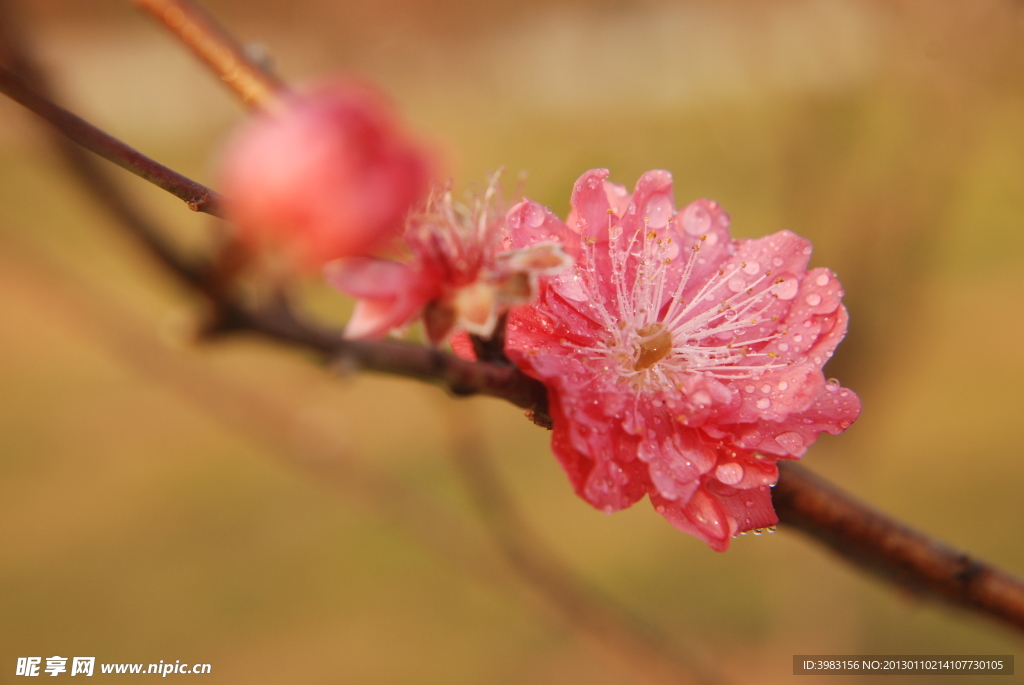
(814, 299)
(783, 385)
(730, 474)
(785, 288)
(750, 504)
(763, 403)
(766, 388)
(792, 442)
(822, 279)
(737, 284)
(832, 384)
(783, 346)
(659, 211)
(534, 215)
(696, 219)
(749, 388)
(751, 268)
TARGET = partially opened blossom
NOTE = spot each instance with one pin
(680, 363)
(462, 272)
(331, 173)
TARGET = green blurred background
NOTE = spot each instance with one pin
(138, 525)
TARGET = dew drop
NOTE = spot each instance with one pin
(766, 388)
(730, 474)
(832, 384)
(822, 279)
(783, 385)
(786, 289)
(798, 337)
(696, 219)
(777, 261)
(749, 388)
(814, 299)
(737, 284)
(763, 403)
(534, 216)
(792, 442)
(751, 268)
(659, 211)
(514, 220)
(783, 346)
(750, 504)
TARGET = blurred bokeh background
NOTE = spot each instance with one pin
(138, 525)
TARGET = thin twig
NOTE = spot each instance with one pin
(198, 197)
(199, 33)
(648, 649)
(893, 550)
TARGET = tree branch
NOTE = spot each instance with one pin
(893, 550)
(198, 197)
(199, 33)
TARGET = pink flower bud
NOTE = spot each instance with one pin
(331, 174)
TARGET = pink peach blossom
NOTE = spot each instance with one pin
(462, 272)
(332, 174)
(680, 363)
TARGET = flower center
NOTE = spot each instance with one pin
(655, 344)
